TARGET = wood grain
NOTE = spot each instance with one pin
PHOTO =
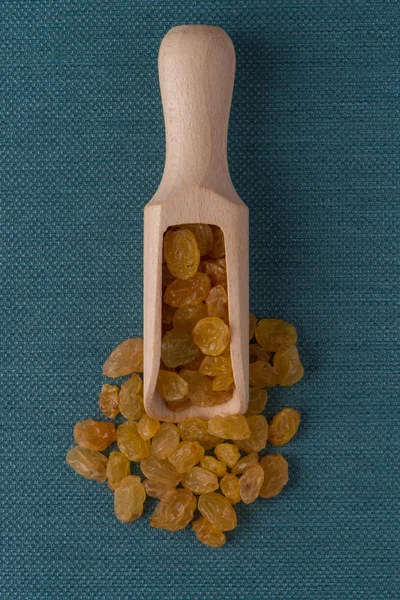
(196, 72)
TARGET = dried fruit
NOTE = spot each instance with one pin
(199, 387)
(108, 400)
(200, 481)
(232, 427)
(175, 512)
(125, 359)
(218, 510)
(258, 437)
(250, 483)
(118, 468)
(283, 426)
(165, 441)
(275, 475)
(171, 386)
(213, 465)
(257, 352)
(223, 383)
(227, 453)
(252, 325)
(167, 276)
(207, 533)
(130, 399)
(148, 427)
(203, 235)
(262, 374)
(160, 471)
(177, 348)
(90, 464)
(218, 247)
(193, 429)
(244, 463)
(220, 397)
(288, 365)
(271, 334)
(167, 313)
(213, 366)
(179, 405)
(186, 456)
(217, 303)
(215, 271)
(130, 442)
(229, 485)
(155, 489)
(186, 317)
(129, 497)
(257, 401)
(96, 435)
(181, 253)
(188, 292)
(211, 335)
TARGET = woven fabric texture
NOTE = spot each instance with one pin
(313, 150)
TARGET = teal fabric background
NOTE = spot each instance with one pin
(313, 150)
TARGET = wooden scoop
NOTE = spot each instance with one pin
(196, 71)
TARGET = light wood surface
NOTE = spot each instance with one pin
(196, 72)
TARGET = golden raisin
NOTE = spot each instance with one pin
(200, 481)
(232, 427)
(186, 317)
(148, 427)
(130, 443)
(199, 387)
(283, 426)
(213, 465)
(207, 534)
(160, 471)
(215, 271)
(96, 435)
(258, 437)
(203, 235)
(252, 325)
(223, 383)
(217, 303)
(129, 498)
(181, 253)
(171, 386)
(257, 401)
(186, 456)
(165, 441)
(244, 463)
(288, 365)
(193, 429)
(227, 453)
(175, 512)
(229, 485)
(90, 464)
(108, 400)
(218, 247)
(130, 399)
(188, 292)
(218, 510)
(155, 489)
(220, 397)
(262, 374)
(250, 483)
(179, 405)
(271, 334)
(118, 468)
(275, 475)
(213, 366)
(211, 335)
(257, 352)
(167, 276)
(177, 348)
(125, 359)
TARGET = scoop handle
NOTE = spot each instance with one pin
(196, 71)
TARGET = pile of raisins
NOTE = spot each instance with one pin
(208, 466)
